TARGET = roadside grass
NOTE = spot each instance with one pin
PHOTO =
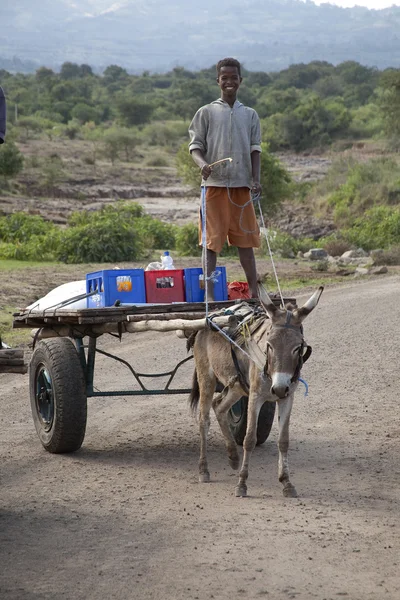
(18, 265)
(10, 336)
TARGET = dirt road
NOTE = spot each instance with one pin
(125, 518)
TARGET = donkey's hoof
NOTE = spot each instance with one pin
(234, 463)
(204, 477)
(241, 491)
(289, 491)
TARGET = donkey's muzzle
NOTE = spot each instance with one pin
(280, 385)
(281, 391)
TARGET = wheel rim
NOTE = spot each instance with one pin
(44, 397)
(236, 411)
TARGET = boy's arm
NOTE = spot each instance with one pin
(256, 171)
(2, 116)
(198, 141)
(255, 153)
(200, 161)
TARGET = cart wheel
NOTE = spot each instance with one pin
(58, 395)
(238, 420)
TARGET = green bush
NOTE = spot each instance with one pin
(11, 160)
(187, 240)
(285, 244)
(20, 227)
(320, 266)
(367, 185)
(36, 247)
(275, 180)
(187, 168)
(157, 234)
(379, 227)
(110, 240)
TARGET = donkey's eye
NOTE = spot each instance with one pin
(297, 350)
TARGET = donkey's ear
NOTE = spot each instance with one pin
(266, 300)
(310, 304)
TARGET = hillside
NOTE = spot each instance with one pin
(150, 35)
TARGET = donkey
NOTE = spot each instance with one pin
(267, 371)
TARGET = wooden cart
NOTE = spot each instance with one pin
(62, 367)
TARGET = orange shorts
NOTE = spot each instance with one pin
(227, 219)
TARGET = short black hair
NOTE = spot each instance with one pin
(228, 62)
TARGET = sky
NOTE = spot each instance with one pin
(367, 3)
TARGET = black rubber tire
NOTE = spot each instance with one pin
(58, 395)
(238, 420)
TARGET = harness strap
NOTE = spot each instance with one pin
(302, 360)
(241, 378)
(307, 354)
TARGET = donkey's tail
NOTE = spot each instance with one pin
(195, 393)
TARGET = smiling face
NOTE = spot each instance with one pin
(229, 81)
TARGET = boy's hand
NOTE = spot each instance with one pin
(256, 189)
(206, 171)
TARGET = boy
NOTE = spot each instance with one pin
(2, 117)
(228, 129)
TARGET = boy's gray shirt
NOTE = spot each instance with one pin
(220, 131)
(2, 117)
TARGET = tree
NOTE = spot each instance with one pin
(84, 113)
(11, 160)
(133, 111)
(114, 73)
(390, 102)
(69, 70)
(275, 180)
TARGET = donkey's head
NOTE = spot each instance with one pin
(286, 349)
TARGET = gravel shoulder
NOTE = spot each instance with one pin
(125, 517)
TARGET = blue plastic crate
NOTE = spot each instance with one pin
(125, 285)
(194, 285)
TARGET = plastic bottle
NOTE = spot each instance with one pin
(167, 262)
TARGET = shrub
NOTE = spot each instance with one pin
(367, 185)
(379, 227)
(320, 266)
(157, 160)
(187, 240)
(20, 227)
(157, 234)
(275, 180)
(116, 233)
(11, 160)
(335, 246)
(391, 256)
(187, 168)
(111, 240)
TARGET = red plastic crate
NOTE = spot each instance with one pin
(164, 286)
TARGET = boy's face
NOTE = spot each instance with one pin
(229, 81)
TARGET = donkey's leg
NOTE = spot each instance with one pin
(284, 410)
(256, 400)
(207, 387)
(221, 406)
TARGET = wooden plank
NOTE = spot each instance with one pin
(165, 317)
(148, 325)
(113, 314)
(12, 353)
(14, 369)
(11, 361)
